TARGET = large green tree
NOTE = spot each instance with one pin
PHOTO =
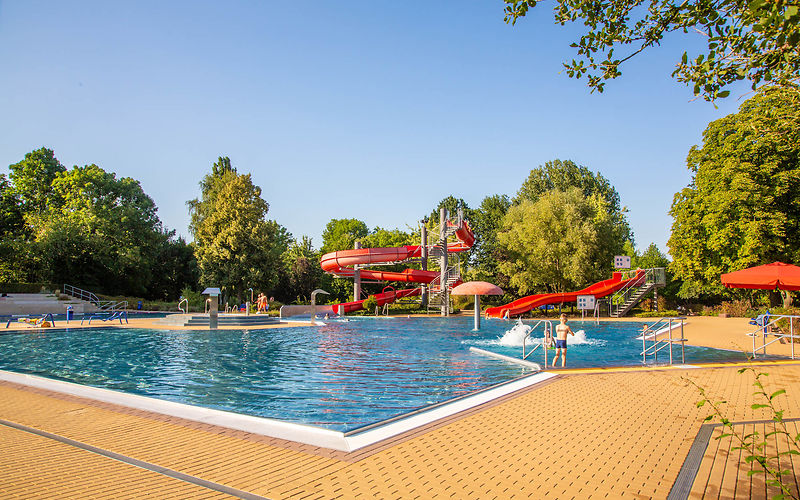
(563, 175)
(486, 221)
(757, 41)
(236, 246)
(341, 234)
(742, 207)
(33, 179)
(563, 241)
(100, 231)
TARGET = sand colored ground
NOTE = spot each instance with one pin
(145, 323)
(587, 434)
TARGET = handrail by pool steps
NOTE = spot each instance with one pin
(547, 338)
(767, 325)
(661, 327)
(184, 311)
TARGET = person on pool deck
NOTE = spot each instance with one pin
(562, 330)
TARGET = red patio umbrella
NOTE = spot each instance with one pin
(775, 276)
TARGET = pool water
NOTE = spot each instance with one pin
(341, 376)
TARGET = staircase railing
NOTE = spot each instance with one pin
(435, 294)
(102, 305)
(633, 291)
(81, 294)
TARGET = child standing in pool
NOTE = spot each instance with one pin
(562, 330)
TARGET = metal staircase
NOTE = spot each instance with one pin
(631, 294)
(436, 297)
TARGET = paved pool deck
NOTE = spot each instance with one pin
(610, 433)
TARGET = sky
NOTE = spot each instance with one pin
(349, 109)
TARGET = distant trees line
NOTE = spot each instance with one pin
(558, 232)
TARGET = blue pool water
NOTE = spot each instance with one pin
(341, 376)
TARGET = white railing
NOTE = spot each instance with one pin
(767, 324)
(102, 305)
(186, 310)
(547, 338)
(81, 294)
(663, 328)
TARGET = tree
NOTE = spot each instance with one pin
(341, 234)
(452, 205)
(33, 179)
(742, 207)
(303, 270)
(98, 231)
(385, 238)
(561, 242)
(174, 268)
(649, 258)
(235, 245)
(758, 41)
(486, 221)
(562, 175)
(11, 220)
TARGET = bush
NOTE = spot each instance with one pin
(370, 304)
(463, 301)
(736, 308)
(196, 300)
(657, 314)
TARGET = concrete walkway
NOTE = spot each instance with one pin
(588, 433)
(584, 435)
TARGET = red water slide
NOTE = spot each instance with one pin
(341, 264)
(599, 290)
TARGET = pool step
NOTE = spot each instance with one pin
(223, 320)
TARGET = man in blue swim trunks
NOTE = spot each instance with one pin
(562, 330)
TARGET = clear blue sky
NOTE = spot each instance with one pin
(363, 109)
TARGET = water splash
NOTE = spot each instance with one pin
(578, 338)
(514, 337)
(516, 334)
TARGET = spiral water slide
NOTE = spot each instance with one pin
(599, 290)
(341, 264)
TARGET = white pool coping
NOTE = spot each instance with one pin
(306, 434)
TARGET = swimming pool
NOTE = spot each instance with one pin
(340, 376)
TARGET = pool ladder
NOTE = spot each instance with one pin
(547, 338)
(663, 328)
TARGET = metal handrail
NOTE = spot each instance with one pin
(186, 311)
(113, 305)
(81, 294)
(652, 276)
(768, 329)
(659, 344)
(547, 331)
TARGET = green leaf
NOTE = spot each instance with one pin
(777, 393)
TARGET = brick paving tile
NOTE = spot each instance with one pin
(610, 435)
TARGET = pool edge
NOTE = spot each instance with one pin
(298, 433)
